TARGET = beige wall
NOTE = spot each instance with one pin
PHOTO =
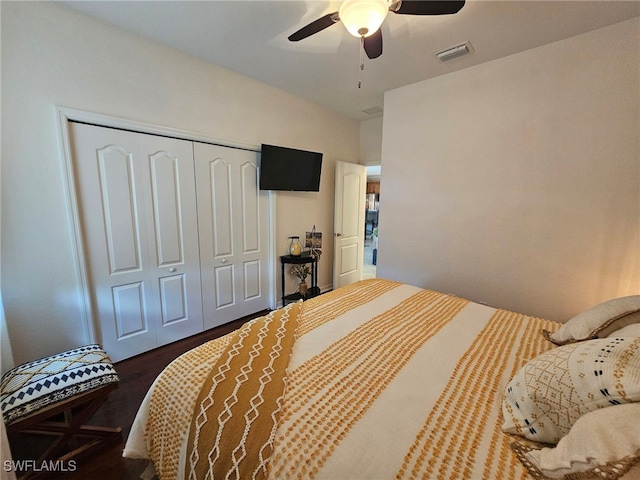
(52, 56)
(517, 182)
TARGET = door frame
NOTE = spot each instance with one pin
(63, 116)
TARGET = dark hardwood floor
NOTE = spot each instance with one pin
(136, 376)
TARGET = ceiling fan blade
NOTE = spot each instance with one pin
(427, 7)
(315, 26)
(373, 44)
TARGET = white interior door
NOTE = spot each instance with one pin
(234, 233)
(138, 213)
(351, 186)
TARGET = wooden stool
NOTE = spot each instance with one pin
(56, 396)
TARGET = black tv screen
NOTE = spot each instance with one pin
(289, 169)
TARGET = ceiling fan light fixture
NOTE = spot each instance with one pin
(363, 18)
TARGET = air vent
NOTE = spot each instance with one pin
(373, 110)
(454, 52)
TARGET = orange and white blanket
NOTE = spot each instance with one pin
(384, 380)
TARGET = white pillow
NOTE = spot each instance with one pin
(598, 321)
(546, 397)
(604, 443)
(632, 330)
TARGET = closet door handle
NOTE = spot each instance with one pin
(172, 269)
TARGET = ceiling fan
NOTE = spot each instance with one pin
(363, 18)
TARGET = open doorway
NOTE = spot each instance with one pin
(371, 232)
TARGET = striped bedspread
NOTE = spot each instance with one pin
(384, 381)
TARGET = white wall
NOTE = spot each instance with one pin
(371, 141)
(517, 182)
(6, 352)
(54, 56)
(6, 355)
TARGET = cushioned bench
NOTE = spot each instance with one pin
(56, 396)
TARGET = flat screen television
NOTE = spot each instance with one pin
(289, 169)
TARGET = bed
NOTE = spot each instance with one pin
(377, 379)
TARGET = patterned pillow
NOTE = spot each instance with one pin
(628, 331)
(602, 444)
(599, 321)
(546, 397)
(32, 386)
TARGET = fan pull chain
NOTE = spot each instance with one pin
(361, 61)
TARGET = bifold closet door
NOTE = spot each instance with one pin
(233, 227)
(137, 204)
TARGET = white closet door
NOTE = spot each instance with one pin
(233, 227)
(138, 210)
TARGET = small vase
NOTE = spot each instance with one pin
(303, 288)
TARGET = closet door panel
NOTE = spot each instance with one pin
(138, 215)
(214, 179)
(224, 287)
(167, 215)
(221, 205)
(252, 275)
(110, 182)
(173, 232)
(173, 299)
(129, 307)
(233, 225)
(118, 205)
(252, 238)
(250, 208)
(254, 232)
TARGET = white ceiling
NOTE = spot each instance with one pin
(250, 37)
